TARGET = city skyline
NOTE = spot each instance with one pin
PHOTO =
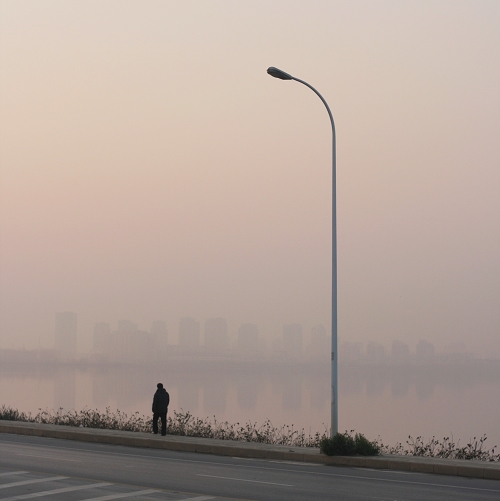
(127, 343)
(211, 337)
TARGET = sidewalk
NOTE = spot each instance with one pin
(475, 469)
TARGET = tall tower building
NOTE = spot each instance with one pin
(216, 336)
(424, 351)
(65, 334)
(189, 334)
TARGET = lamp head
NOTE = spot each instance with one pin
(276, 73)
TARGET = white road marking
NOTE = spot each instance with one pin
(122, 495)
(338, 475)
(295, 463)
(244, 480)
(49, 457)
(6, 474)
(399, 472)
(198, 498)
(57, 491)
(27, 482)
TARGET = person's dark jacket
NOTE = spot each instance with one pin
(161, 401)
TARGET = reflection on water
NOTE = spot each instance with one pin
(390, 401)
(65, 389)
(215, 394)
(290, 388)
(246, 391)
(400, 386)
(189, 393)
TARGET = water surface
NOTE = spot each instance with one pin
(392, 402)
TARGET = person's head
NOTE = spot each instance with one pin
(159, 386)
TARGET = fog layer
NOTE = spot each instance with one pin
(151, 170)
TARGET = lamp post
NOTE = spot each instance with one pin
(276, 73)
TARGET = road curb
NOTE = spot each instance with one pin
(472, 469)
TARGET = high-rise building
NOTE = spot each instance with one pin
(424, 351)
(216, 336)
(131, 345)
(292, 340)
(248, 339)
(189, 334)
(65, 334)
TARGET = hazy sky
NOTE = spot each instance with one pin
(151, 169)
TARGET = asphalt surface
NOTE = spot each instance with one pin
(73, 471)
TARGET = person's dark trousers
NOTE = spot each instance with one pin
(163, 416)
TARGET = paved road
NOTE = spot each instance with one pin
(52, 469)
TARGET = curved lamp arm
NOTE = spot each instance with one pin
(277, 73)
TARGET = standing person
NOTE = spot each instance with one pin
(160, 408)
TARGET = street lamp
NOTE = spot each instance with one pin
(276, 73)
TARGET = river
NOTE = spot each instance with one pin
(387, 401)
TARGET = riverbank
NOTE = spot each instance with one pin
(180, 423)
(474, 469)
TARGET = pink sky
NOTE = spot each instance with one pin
(151, 169)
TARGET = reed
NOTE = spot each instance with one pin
(446, 448)
(179, 423)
